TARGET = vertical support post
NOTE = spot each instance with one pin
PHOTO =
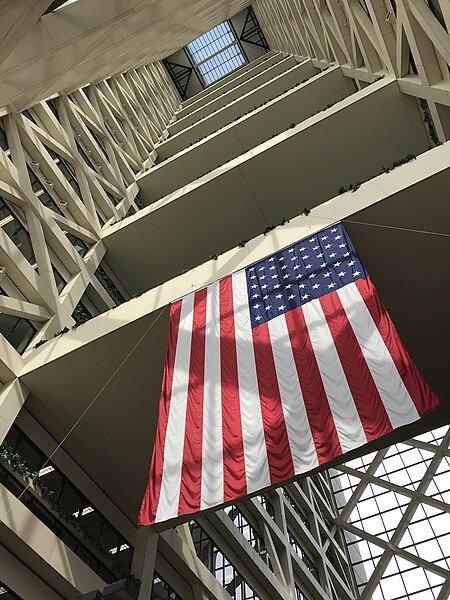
(143, 565)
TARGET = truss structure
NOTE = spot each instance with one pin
(395, 510)
(252, 32)
(280, 545)
(67, 169)
(180, 75)
(407, 39)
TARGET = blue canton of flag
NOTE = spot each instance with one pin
(309, 269)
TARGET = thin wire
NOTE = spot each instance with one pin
(345, 220)
(192, 274)
(397, 228)
(83, 414)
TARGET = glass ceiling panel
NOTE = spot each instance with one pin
(211, 42)
(216, 53)
(220, 65)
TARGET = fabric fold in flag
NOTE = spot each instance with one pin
(273, 371)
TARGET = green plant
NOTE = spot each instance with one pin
(80, 314)
(40, 343)
(427, 119)
(62, 332)
(397, 163)
(18, 465)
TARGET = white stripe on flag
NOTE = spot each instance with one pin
(255, 453)
(212, 446)
(303, 450)
(345, 416)
(396, 399)
(174, 444)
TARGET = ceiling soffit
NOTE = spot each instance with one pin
(89, 41)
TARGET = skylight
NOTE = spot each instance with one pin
(216, 53)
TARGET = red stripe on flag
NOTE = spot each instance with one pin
(235, 483)
(370, 407)
(318, 410)
(150, 502)
(422, 395)
(279, 455)
(191, 474)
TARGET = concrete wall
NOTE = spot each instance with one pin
(235, 109)
(248, 132)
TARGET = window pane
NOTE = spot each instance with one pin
(216, 53)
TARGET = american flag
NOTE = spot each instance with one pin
(273, 371)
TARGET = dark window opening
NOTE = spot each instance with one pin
(74, 511)
(80, 246)
(100, 143)
(14, 229)
(109, 285)
(66, 169)
(303, 554)
(17, 331)
(52, 107)
(29, 116)
(59, 280)
(437, 12)
(299, 595)
(7, 594)
(83, 155)
(162, 590)
(41, 193)
(81, 314)
(113, 199)
(298, 510)
(219, 565)
(267, 505)
(248, 531)
(138, 202)
(3, 140)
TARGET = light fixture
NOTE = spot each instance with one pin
(46, 470)
(119, 549)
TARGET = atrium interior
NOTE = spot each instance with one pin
(148, 149)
